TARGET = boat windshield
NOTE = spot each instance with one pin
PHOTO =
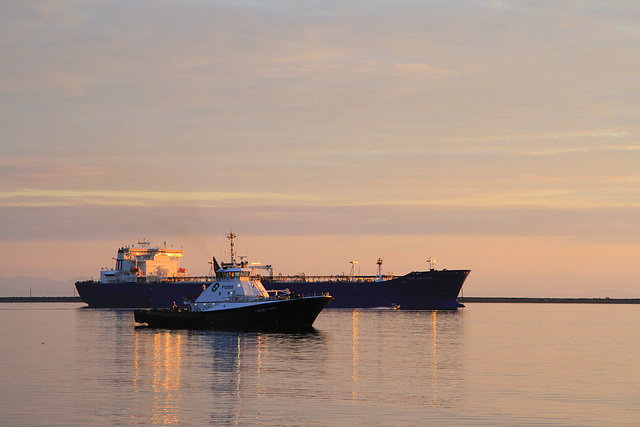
(234, 274)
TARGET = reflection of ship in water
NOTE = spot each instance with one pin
(163, 360)
(429, 352)
(140, 373)
(255, 370)
(241, 366)
(363, 365)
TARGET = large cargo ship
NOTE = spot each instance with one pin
(151, 277)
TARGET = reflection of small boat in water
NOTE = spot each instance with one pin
(235, 300)
(390, 307)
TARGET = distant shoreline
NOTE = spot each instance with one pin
(40, 299)
(551, 300)
(515, 300)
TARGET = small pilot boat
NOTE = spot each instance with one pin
(236, 299)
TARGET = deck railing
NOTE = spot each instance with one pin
(337, 278)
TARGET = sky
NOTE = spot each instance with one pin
(497, 136)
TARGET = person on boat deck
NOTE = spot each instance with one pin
(174, 307)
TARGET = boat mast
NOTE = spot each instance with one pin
(232, 236)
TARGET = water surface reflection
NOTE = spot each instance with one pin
(402, 356)
(358, 365)
(70, 366)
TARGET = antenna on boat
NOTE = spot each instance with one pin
(232, 236)
(431, 262)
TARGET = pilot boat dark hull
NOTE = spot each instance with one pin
(289, 314)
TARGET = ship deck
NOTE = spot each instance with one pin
(335, 278)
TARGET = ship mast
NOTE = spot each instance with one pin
(352, 273)
(379, 268)
(232, 236)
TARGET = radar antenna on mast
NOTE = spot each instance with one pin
(431, 262)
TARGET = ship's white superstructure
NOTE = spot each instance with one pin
(232, 287)
(142, 261)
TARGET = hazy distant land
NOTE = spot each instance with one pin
(37, 287)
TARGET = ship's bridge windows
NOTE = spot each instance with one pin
(234, 274)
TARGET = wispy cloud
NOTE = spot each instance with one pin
(41, 198)
(526, 191)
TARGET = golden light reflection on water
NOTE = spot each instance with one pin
(165, 365)
(356, 355)
(434, 358)
(261, 353)
(238, 366)
(397, 360)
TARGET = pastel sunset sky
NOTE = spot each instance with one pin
(497, 136)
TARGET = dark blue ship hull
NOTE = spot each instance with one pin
(138, 295)
(420, 290)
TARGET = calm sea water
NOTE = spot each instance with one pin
(488, 364)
